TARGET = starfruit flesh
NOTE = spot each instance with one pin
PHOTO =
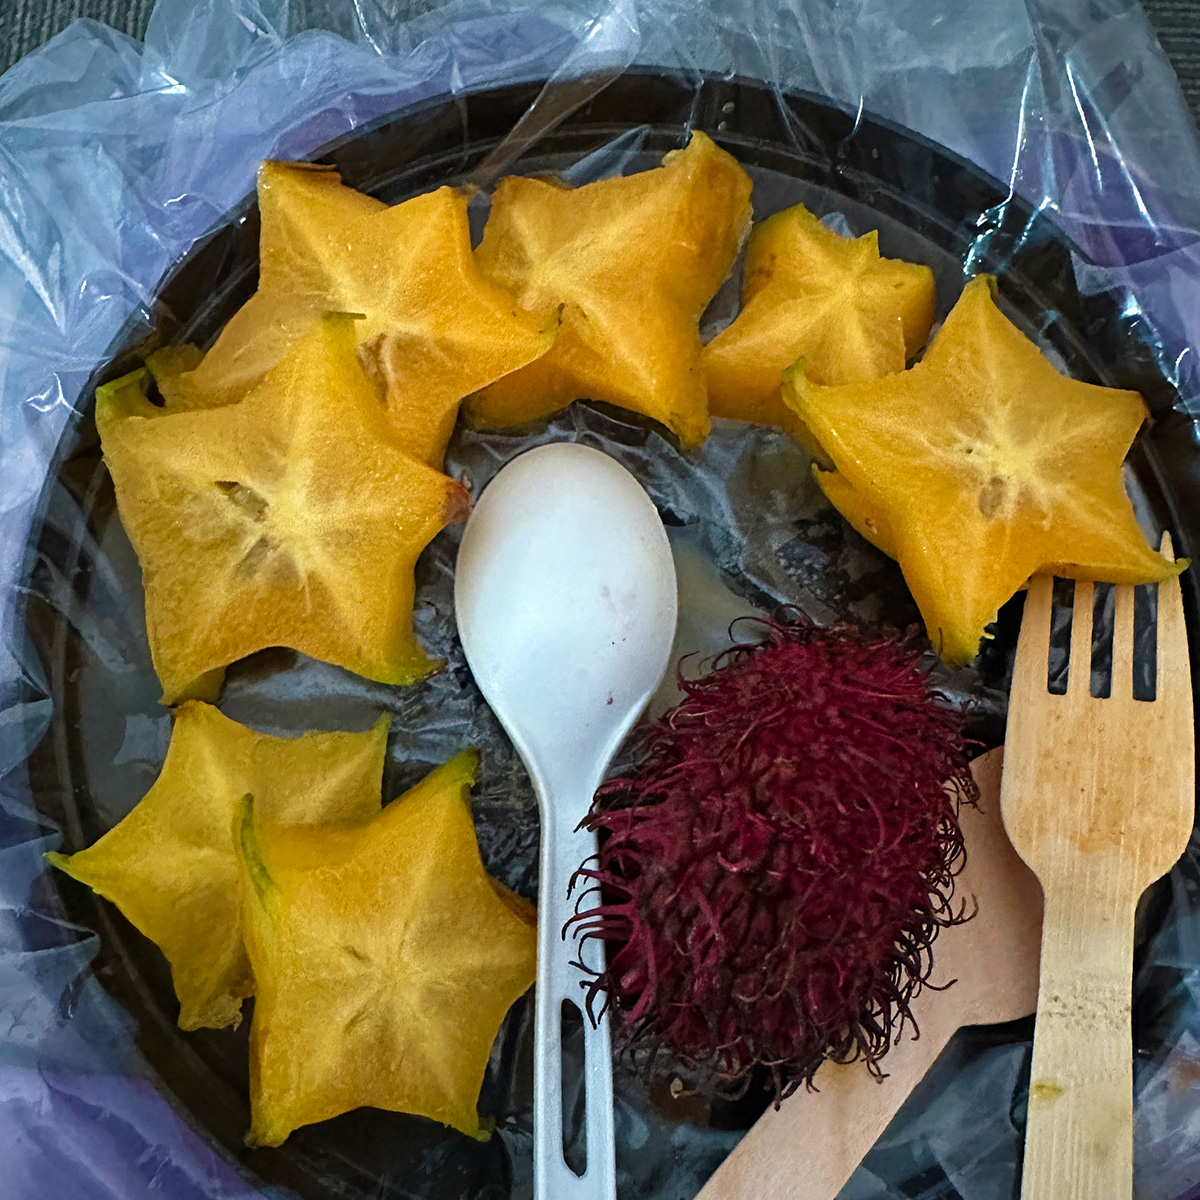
(291, 519)
(865, 518)
(170, 865)
(811, 293)
(985, 466)
(633, 261)
(385, 959)
(433, 329)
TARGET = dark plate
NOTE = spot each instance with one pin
(84, 614)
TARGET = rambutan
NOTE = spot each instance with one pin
(775, 870)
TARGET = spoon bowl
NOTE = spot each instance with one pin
(565, 598)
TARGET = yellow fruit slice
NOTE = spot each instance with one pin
(867, 519)
(125, 397)
(982, 466)
(385, 959)
(434, 327)
(172, 368)
(289, 519)
(634, 262)
(811, 293)
(170, 865)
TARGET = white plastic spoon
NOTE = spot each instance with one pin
(566, 604)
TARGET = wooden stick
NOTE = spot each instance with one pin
(1079, 1136)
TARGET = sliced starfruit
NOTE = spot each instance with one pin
(811, 293)
(634, 262)
(385, 959)
(863, 515)
(981, 466)
(289, 519)
(433, 327)
(172, 368)
(125, 397)
(170, 865)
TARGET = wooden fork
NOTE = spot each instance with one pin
(1098, 797)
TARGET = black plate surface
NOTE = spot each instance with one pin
(84, 613)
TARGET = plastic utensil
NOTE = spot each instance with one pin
(1099, 799)
(810, 1147)
(566, 604)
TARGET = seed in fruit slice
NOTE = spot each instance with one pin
(434, 327)
(634, 262)
(983, 465)
(170, 865)
(292, 519)
(385, 959)
(811, 293)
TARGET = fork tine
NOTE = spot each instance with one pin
(1033, 645)
(1122, 646)
(1079, 666)
(1173, 677)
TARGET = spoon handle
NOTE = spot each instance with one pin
(558, 980)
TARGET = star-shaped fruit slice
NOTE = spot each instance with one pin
(434, 328)
(811, 293)
(385, 959)
(863, 515)
(634, 262)
(292, 518)
(982, 466)
(170, 865)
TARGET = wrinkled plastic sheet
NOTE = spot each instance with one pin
(116, 157)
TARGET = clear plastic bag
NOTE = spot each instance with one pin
(116, 159)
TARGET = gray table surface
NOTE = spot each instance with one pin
(1178, 25)
(25, 24)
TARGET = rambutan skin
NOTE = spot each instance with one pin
(774, 872)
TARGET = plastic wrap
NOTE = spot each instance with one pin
(117, 158)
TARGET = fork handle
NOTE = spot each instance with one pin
(1079, 1135)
